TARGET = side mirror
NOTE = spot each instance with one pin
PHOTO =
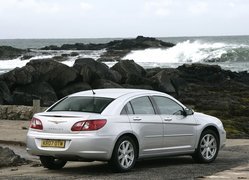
(188, 112)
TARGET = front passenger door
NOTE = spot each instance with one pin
(179, 129)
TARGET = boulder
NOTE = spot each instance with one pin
(203, 72)
(127, 67)
(117, 77)
(162, 82)
(134, 79)
(24, 95)
(5, 95)
(55, 73)
(9, 158)
(8, 52)
(73, 88)
(60, 58)
(103, 83)
(74, 54)
(89, 69)
(19, 76)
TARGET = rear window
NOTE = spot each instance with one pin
(82, 104)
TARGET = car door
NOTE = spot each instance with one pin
(179, 129)
(146, 124)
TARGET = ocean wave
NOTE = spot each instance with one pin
(191, 52)
(7, 65)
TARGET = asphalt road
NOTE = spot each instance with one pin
(181, 167)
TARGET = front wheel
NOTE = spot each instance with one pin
(124, 155)
(208, 147)
(52, 163)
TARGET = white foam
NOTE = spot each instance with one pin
(182, 53)
(11, 64)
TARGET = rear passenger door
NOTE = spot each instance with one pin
(179, 129)
(146, 124)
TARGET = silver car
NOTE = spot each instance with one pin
(121, 126)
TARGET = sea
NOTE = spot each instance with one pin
(229, 52)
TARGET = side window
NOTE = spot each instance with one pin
(167, 106)
(127, 109)
(142, 105)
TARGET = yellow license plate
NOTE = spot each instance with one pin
(52, 143)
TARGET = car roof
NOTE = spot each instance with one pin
(114, 92)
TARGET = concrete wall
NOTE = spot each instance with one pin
(14, 112)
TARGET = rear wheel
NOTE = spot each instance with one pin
(52, 163)
(208, 147)
(124, 155)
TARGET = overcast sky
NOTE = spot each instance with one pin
(122, 18)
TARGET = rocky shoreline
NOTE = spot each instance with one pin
(205, 88)
(114, 50)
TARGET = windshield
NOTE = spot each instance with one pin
(82, 104)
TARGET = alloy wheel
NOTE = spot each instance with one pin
(208, 146)
(126, 154)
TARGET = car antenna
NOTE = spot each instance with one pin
(93, 92)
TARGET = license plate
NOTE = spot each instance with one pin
(52, 143)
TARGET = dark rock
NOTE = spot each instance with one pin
(55, 73)
(74, 54)
(90, 70)
(116, 55)
(19, 76)
(5, 95)
(203, 72)
(24, 95)
(59, 58)
(73, 88)
(126, 44)
(138, 43)
(117, 77)
(106, 60)
(126, 67)
(162, 82)
(142, 86)
(65, 55)
(103, 83)
(25, 57)
(8, 52)
(134, 79)
(76, 46)
(9, 158)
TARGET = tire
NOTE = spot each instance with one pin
(124, 155)
(52, 163)
(208, 147)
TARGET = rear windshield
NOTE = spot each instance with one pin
(82, 104)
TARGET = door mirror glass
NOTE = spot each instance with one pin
(188, 111)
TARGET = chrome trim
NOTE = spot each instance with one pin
(167, 148)
(178, 135)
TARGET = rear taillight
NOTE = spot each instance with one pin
(36, 124)
(89, 125)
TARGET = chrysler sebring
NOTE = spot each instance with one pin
(121, 126)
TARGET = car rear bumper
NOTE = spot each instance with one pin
(77, 146)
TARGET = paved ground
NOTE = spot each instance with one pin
(232, 163)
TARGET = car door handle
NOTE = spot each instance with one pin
(137, 119)
(167, 119)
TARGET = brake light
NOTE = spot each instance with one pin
(36, 124)
(89, 125)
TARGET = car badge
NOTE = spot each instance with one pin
(57, 122)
